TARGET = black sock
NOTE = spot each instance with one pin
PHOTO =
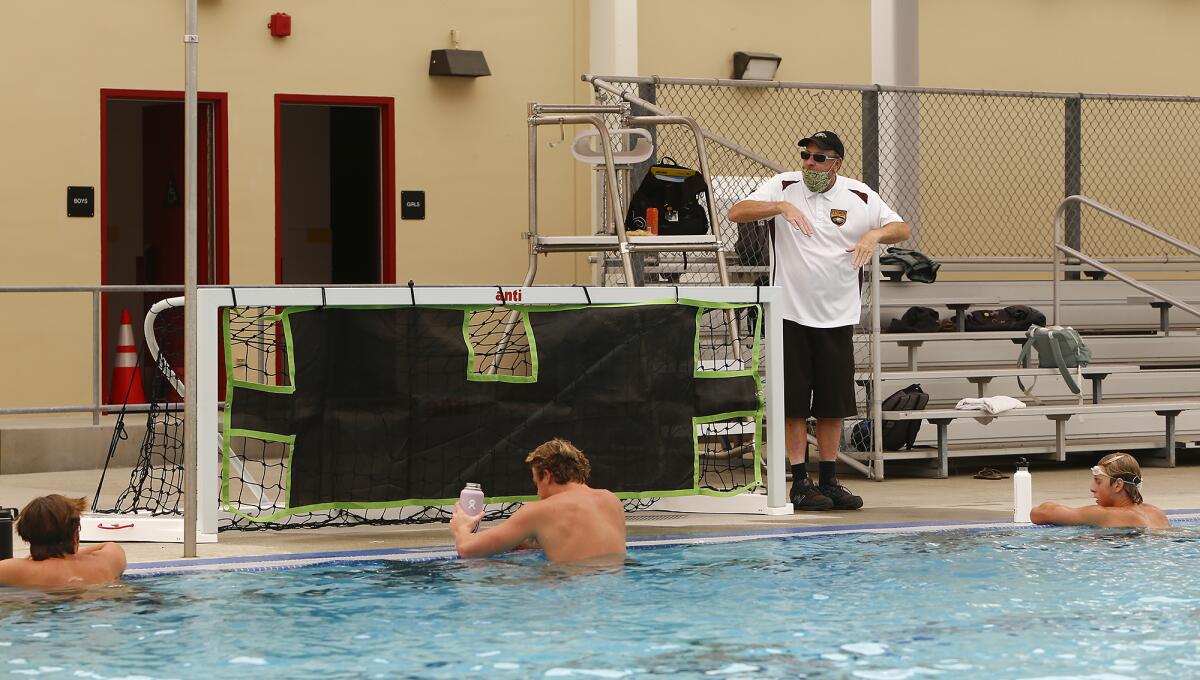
(828, 472)
(799, 473)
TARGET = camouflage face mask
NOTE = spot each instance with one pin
(816, 181)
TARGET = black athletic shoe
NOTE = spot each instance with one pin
(805, 496)
(841, 497)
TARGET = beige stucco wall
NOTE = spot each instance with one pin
(462, 141)
(1095, 46)
(1143, 47)
(697, 38)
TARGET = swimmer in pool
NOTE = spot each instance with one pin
(571, 521)
(50, 524)
(1116, 486)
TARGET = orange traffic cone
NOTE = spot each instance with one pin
(126, 385)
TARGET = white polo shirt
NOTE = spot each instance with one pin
(820, 283)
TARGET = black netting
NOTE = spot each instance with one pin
(156, 481)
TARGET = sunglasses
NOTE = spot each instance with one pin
(818, 157)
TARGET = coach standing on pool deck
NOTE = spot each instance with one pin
(825, 229)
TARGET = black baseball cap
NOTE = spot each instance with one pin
(824, 140)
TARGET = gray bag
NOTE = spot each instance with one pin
(1057, 347)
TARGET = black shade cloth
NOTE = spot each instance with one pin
(383, 410)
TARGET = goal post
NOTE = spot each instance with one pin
(334, 312)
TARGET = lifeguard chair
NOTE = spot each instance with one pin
(614, 163)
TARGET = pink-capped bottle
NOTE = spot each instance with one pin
(471, 500)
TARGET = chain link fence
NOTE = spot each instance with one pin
(977, 174)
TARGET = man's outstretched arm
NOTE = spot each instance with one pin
(892, 232)
(1057, 513)
(501, 538)
(752, 211)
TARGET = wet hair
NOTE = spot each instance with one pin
(562, 460)
(48, 524)
(1124, 467)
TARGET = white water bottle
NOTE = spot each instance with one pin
(471, 500)
(1022, 492)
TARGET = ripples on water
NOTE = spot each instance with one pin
(1021, 603)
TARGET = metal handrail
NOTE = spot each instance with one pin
(536, 119)
(1060, 247)
(601, 84)
(1153, 292)
(96, 407)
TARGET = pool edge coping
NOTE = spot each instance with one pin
(422, 554)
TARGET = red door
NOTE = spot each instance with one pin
(163, 210)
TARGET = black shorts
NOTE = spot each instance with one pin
(818, 371)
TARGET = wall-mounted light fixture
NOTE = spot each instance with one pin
(755, 65)
(456, 62)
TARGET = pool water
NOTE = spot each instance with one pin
(1019, 603)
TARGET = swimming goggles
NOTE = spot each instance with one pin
(1098, 471)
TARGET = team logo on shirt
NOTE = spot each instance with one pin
(838, 217)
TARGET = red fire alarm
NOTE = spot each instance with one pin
(281, 25)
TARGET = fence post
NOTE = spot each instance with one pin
(1073, 172)
(870, 137)
(648, 92)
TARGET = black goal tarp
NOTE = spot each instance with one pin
(387, 405)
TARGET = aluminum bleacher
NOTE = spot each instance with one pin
(1143, 374)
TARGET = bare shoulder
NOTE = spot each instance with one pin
(531, 509)
(1135, 516)
(12, 570)
(111, 557)
(1154, 516)
(608, 498)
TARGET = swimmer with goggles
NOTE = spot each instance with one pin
(1116, 486)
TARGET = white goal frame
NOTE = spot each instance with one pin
(210, 299)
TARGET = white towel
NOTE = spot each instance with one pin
(989, 405)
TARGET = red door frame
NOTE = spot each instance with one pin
(220, 112)
(387, 174)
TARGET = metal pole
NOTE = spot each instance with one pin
(776, 439)
(533, 201)
(1056, 268)
(96, 351)
(614, 200)
(191, 309)
(870, 133)
(541, 109)
(1073, 173)
(876, 374)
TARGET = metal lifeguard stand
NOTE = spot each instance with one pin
(613, 236)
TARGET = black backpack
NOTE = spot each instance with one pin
(916, 320)
(678, 193)
(1011, 318)
(897, 434)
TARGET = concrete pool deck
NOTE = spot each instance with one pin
(897, 500)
